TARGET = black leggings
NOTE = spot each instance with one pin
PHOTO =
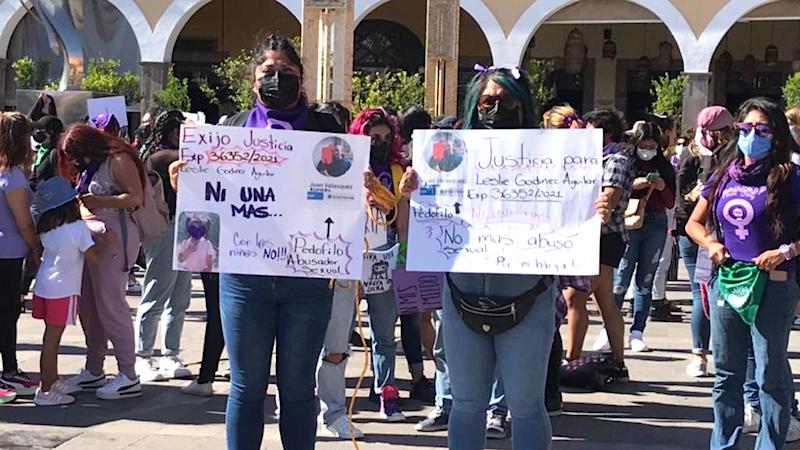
(552, 388)
(10, 297)
(214, 342)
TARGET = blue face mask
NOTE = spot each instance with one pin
(754, 146)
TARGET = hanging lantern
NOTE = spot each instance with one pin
(796, 61)
(771, 55)
(609, 47)
(664, 55)
(725, 61)
(574, 52)
(749, 68)
(643, 66)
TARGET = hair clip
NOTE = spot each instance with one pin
(514, 71)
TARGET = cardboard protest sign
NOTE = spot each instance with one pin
(109, 105)
(378, 268)
(506, 201)
(279, 207)
(417, 291)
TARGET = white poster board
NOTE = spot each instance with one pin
(271, 202)
(506, 201)
(108, 105)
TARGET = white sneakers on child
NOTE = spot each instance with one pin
(120, 387)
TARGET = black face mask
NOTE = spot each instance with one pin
(39, 136)
(379, 153)
(499, 118)
(278, 89)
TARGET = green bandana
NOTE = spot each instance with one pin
(41, 154)
(742, 286)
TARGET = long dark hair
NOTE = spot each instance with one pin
(514, 81)
(165, 123)
(650, 131)
(277, 43)
(779, 205)
(63, 215)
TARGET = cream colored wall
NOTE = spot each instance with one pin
(472, 42)
(153, 9)
(241, 30)
(699, 12)
(605, 10)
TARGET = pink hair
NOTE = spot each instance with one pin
(368, 118)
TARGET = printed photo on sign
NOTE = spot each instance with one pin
(333, 157)
(197, 246)
(445, 152)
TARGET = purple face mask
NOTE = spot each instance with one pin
(196, 231)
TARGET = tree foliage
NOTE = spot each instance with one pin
(791, 91)
(174, 96)
(668, 93)
(396, 89)
(30, 73)
(540, 76)
(103, 76)
(235, 83)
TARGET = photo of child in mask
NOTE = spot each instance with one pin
(333, 157)
(198, 241)
(446, 152)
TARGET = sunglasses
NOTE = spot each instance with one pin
(569, 120)
(762, 130)
(487, 102)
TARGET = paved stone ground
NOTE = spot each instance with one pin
(661, 409)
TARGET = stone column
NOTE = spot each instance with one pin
(695, 97)
(328, 27)
(441, 56)
(3, 66)
(153, 79)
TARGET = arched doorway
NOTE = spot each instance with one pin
(626, 48)
(757, 54)
(223, 28)
(473, 47)
(391, 37)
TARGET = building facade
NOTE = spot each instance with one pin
(730, 49)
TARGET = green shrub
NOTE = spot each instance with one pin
(174, 96)
(791, 91)
(668, 93)
(235, 83)
(396, 89)
(30, 73)
(540, 76)
(103, 77)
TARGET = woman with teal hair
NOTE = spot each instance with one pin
(500, 99)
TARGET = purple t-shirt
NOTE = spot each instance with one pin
(742, 214)
(12, 245)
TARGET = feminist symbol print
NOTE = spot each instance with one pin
(739, 213)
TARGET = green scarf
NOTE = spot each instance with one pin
(742, 285)
(41, 154)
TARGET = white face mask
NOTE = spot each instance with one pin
(646, 154)
(679, 149)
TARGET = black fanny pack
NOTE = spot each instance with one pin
(492, 316)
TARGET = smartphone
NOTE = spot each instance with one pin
(653, 176)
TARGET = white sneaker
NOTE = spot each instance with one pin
(698, 368)
(173, 367)
(340, 428)
(148, 371)
(636, 341)
(199, 389)
(85, 380)
(752, 420)
(794, 430)
(51, 398)
(601, 344)
(65, 388)
(120, 387)
(133, 288)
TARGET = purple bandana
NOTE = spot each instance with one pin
(278, 119)
(611, 148)
(754, 173)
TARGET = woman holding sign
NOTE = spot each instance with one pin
(500, 99)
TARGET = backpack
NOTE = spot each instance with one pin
(586, 372)
(152, 218)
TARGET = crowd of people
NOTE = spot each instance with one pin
(725, 193)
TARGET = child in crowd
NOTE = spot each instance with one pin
(196, 253)
(66, 240)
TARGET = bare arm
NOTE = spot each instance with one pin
(126, 175)
(18, 203)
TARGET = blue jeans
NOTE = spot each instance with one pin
(410, 335)
(701, 327)
(165, 298)
(769, 339)
(642, 254)
(331, 383)
(519, 355)
(382, 321)
(257, 311)
(444, 395)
